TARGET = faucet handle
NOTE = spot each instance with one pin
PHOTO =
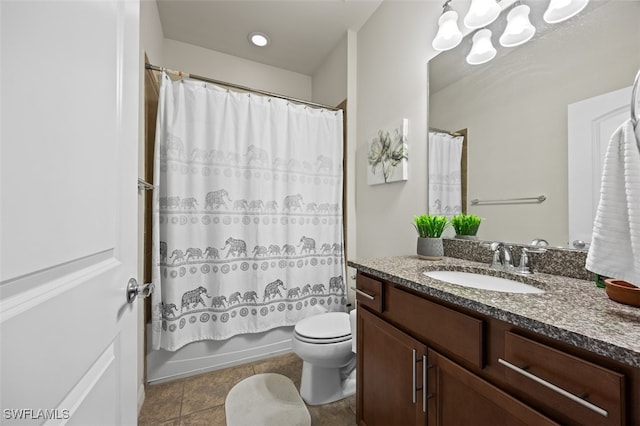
(526, 265)
(495, 261)
(523, 268)
(496, 245)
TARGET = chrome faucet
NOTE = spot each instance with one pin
(539, 242)
(502, 258)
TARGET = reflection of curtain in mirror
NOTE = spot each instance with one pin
(445, 183)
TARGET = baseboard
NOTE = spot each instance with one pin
(202, 357)
(141, 396)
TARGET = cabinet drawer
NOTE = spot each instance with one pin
(549, 377)
(452, 332)
(369, 292)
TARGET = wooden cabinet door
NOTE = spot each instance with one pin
(459, 397)
(389, 374)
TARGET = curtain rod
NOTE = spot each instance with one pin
(434, 129)
(238, 87)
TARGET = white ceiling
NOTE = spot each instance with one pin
(302, 32)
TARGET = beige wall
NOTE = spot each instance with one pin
(516, 113)
(231, 69)
(151, 35)
(393, 49)
(329, 81)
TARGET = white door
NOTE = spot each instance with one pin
(68, 162)
(591, 125)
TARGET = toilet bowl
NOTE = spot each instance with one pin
(324, 342)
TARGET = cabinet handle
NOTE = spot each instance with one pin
(414, 390)
(554, 388)
(362, 293)
(424, 383)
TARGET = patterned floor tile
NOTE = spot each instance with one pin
(210, 389)
(337, 413)
(162, 402)
(211, 417)
(199, 400)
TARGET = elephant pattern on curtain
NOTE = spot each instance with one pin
(248, 231)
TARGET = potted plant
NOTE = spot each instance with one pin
(430, 229)
(466, 226)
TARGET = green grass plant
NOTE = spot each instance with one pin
(430, 226)
(466, 224)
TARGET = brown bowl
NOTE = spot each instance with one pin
(623, 292)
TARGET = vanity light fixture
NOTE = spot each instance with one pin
(449, 35)
(481, 13)
(482, 50)
(519, 29)
(561, 10)
(258, 39)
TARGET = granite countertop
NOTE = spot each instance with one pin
(571, 310)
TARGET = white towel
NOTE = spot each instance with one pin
(615, 244)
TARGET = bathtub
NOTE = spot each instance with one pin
(210, 355)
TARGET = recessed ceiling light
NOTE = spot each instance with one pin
(259, 39)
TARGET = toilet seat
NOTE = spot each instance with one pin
(322, 341)
(331, 327)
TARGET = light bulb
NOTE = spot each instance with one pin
(481, 13)
(259, 39)
(561, 10)
(449, 35)
(482, 50)
(519, 29)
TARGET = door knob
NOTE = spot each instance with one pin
(133, 290)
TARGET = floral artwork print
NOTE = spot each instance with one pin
(388, 155)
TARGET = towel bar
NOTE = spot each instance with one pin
(538, 199)
(636, 83)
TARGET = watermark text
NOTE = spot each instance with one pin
(35, 414)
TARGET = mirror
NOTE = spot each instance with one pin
(514, 109)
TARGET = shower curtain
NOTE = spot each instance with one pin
(247, 224)
(445, 182)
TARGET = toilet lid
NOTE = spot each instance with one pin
(325, 326)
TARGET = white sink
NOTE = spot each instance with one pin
(483, 282)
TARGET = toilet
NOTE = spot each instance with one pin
(326, 344)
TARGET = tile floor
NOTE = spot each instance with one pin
(199, 400)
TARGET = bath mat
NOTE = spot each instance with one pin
(265, 400)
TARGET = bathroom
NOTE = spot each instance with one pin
(388, 59)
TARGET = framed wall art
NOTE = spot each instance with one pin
(388, 154)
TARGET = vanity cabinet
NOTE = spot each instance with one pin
(389, 374)
(477, 370)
